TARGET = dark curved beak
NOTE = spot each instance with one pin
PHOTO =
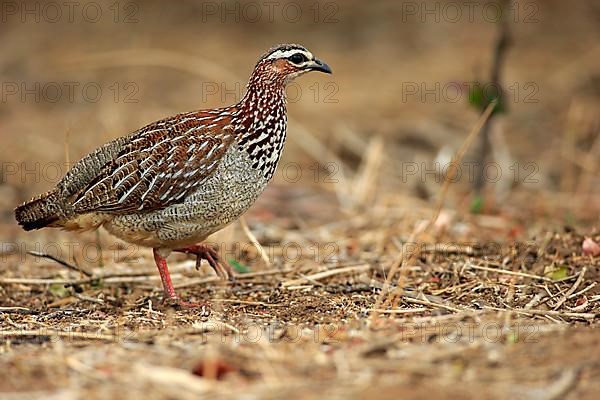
(318, 65)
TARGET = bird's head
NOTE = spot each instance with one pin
(287, 61)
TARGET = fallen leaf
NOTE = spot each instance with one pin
(59, 290)
(581, 304)
(241, 268)
(557, 273)
(590, 248)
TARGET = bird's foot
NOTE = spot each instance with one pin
(170, 296)
(206, 252)
(176, 302)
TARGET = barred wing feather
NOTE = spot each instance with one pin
(154, 170)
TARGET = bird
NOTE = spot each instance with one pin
(172, 183)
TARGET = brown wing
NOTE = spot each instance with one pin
(159, 166)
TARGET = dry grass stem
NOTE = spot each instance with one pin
(403, 259)
(255, 242)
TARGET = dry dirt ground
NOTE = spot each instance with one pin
(495, 319)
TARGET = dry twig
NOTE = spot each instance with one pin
(61, 262)
(403, 259)
(255, 242)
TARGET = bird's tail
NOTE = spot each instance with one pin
(39, 212)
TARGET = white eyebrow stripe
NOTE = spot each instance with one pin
(288, 53)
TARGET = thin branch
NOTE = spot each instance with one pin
(61, 262)
(64, 334)
(500, 48)
(548, 313)
(571, 290)
(404, 311)
(17, 310)
(326, 274)
(255, 242)
(507, 272)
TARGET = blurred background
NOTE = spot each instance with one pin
(512, 244)
(410, 81)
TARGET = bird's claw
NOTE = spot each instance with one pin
(176, 302)
(205, 252)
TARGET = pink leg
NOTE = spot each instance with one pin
(170, 297)
(203, 251)
(165, 277)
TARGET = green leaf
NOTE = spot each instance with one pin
(481, 95)
(476, 97)
(59, 290)
(477, 204)
(557, 273)
(241, 268)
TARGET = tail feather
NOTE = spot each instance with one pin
(39, 212)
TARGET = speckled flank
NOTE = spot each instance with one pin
(225, 195)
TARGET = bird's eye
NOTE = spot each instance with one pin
(298, 58)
